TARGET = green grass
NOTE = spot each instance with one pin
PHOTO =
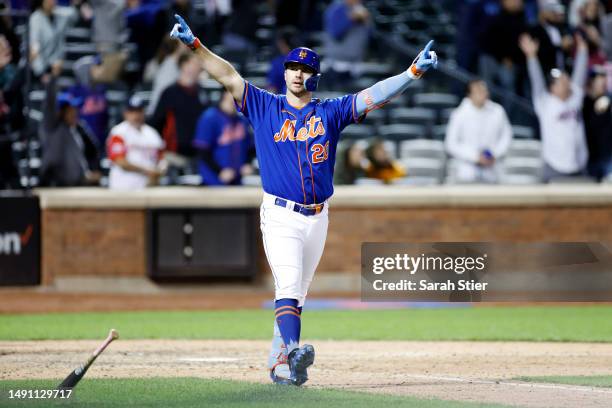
(572, 323)
(193, 392)
(604, 381)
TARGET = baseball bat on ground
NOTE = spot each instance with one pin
(74, 377)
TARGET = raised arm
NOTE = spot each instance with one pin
(50, 108)
(218, 68)
(382, 92)
(530, 48)
(581, 62)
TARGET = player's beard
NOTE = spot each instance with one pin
(301, 92)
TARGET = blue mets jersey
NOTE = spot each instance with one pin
(296, 148)
(227, 137)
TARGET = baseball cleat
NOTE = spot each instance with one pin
(280, 374)
(299, 360)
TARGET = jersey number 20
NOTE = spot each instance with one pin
(320, 152)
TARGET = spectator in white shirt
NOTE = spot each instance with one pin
(135, 149)
(478, 134)
(559, 110)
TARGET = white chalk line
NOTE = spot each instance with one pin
(576, 388)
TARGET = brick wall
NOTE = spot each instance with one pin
(348, 228)
(93, 243)
(112, 242)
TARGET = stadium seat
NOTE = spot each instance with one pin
(190, 180)
(424, 167)
(436, 100)
(36, 99)
(526, 166)
(416, 116)
(34, 181)
(74, 51)
(525, 148)
(264, 35)
(105, 164)
(357, 132)
(375, 70)
(402, 132)
(411, 36)
(391, 148)
(67, 68)
(383, 23)
(257, 68)
(523, 132)
(78, 34)
(116, 97)
(444, 115)
(439, 132)
(443, 35)
(210, 84)
(35, 164)
(264, 21)
(422, 148)
(519, 179)
(65, 82)
(35, 149)
(417, 21)
(451, 171)
(376, 117)
(361, 83)
(18, 151)
(446, 51)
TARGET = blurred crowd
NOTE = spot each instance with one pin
(559, 55)
(95, 92)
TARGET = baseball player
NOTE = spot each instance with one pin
(295, 139)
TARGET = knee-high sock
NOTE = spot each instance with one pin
(278, 351)
(289, 322)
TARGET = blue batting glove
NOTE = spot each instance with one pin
(182, 32)
(425, 60)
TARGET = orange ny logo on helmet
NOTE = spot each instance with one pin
(303, 54)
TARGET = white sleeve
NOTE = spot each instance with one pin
(505, 135)
(538, 83)
(454, 144)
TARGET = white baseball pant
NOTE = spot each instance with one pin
(294, 244)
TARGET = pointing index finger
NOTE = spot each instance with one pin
(428, 48)
(180, 20)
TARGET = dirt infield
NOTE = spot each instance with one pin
(466, 371)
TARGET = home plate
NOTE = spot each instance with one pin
(209, 359)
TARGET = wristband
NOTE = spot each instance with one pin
(195, 44)
(414, 72)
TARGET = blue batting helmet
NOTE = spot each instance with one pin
(309, 58)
